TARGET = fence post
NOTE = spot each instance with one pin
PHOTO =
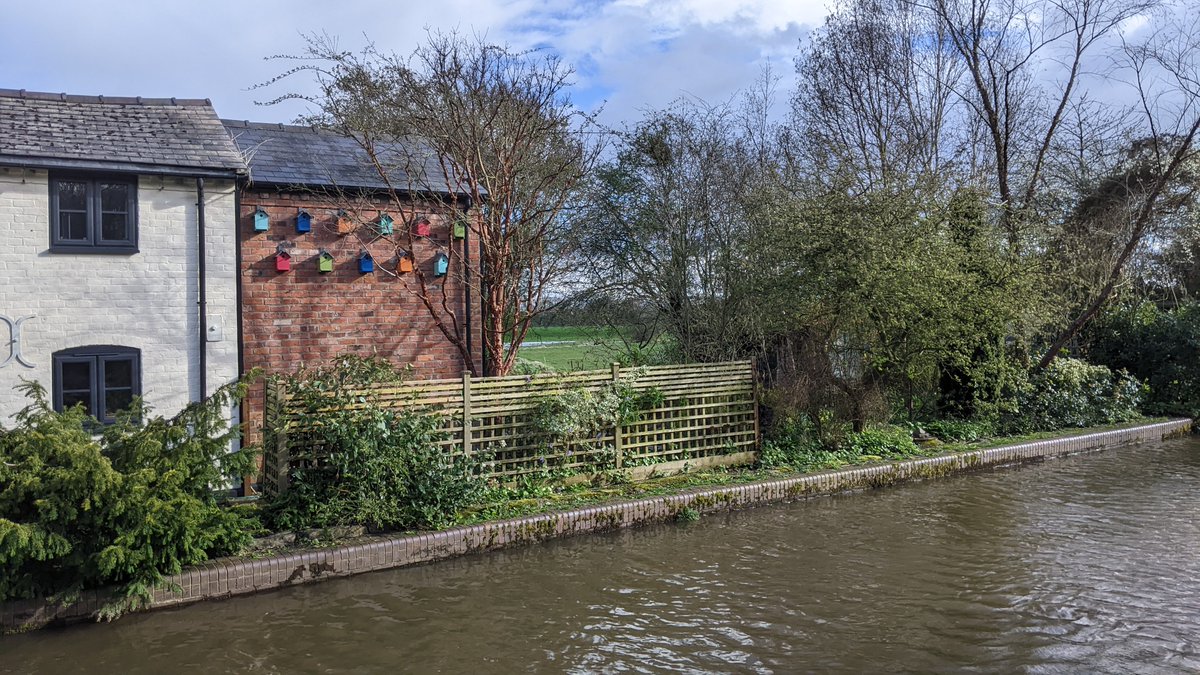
(277, 465)
(617, 450)
(757, 413)
(466, 413)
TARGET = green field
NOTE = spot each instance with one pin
(583, 348)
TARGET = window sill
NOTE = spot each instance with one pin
(95, 250)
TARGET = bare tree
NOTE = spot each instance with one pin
(479, 132)
(1007, 48)
(876, 95)
(1161, 174)
(669, 225)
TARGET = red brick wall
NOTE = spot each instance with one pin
(304, 317)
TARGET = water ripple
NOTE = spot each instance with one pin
(1086, 564)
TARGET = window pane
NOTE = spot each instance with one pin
(72, 225)
(72, 195)
(118, 373)
(71, 398)
(76, 376)
(114, 197)
(113, 227)
(117, 399)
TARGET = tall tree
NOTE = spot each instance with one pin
(1159, 175)
(469, 126)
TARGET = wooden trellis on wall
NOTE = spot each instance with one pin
(708, 416)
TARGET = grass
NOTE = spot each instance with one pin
(550, 498)
(586, 349)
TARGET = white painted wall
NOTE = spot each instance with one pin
(147, 300)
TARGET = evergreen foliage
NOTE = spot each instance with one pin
(1160, 346)
(1074, 393)
(125, 507)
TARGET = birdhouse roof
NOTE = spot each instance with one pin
(148, 135)
(292, 156)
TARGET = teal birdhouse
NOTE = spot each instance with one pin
(261, 221)
(386, 224)
(324, 261)
(441, 264)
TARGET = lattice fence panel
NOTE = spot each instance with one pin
(708, 414)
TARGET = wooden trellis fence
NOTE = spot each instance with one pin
(708, 416)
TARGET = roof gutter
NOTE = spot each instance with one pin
(50, 163)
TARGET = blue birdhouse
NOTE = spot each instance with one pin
(366, 264)
(441, 265)
(261, 221)
(386, 224)
(303, 222)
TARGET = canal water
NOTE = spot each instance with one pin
(1086, 564)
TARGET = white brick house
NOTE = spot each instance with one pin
(105, 206)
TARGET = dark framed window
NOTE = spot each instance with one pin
(102, 378)
(93, 214)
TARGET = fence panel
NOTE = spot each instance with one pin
(707, 415)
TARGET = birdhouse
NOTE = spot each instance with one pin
(261, 221)
(441, 265)
(424, 227)
(283, 259)
(324, 261)
(404, 264)
(460, 229)
(386, 224)
(303, 222)
(366, 264)
(344, 224)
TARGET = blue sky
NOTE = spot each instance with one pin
(629, 54)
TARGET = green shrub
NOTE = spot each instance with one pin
(884, 441)
(792, 442)
(376, 466)
(959, 431)
(1160, 347)
(1074, 393)
(127, 507)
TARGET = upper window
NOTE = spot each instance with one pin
(103, 379)
(96, 214)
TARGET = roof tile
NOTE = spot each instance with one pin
(178, 133)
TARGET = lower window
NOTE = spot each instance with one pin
(103, 379)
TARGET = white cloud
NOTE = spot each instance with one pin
(634, 53)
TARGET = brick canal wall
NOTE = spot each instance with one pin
(229, 577)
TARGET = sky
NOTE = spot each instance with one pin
(629, 55)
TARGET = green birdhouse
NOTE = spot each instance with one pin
(324, 261)
(460, 229)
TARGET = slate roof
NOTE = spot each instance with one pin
(297, 156)
(153, 135)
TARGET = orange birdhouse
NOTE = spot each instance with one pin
(404, 264)
(344, 224)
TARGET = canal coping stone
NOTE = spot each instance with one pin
(234, 576)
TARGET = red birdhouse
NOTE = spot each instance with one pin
(283, 259)
(424, 227)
